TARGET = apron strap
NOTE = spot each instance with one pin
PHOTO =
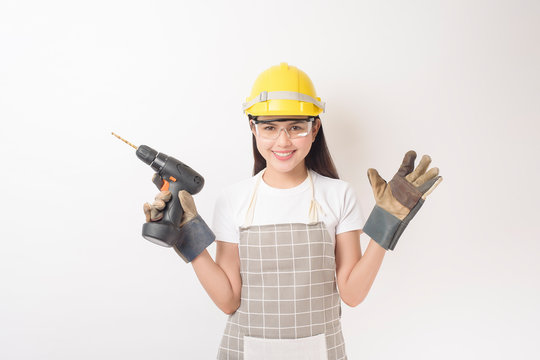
(248, 220)
(314, 207)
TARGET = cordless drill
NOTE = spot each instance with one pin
(175, 176)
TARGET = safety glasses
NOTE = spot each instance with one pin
(294, 128)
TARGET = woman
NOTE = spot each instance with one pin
(288, 238)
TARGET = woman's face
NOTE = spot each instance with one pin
(284, 154)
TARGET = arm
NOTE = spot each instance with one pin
(396, 204)
(356, 272)
(221, 278)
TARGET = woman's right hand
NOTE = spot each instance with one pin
(154, 211)
(195, 235)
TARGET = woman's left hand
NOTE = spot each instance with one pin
(398, 202)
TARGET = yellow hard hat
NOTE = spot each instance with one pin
(283, 90)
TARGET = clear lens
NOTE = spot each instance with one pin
(294, 128)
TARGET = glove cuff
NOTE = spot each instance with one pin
(381, 226)
(385, 228)
(195, 236)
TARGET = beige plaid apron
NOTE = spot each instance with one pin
(290, 307)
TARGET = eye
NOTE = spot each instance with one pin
(268, 128)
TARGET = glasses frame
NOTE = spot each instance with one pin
(255, 122)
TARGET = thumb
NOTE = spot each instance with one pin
(378, 184)
(188, 204)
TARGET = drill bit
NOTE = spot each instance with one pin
(124, 140)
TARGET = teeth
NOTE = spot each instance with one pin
(283, 154)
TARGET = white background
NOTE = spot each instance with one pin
(458, 80)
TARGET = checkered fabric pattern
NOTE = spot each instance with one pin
(288, 288)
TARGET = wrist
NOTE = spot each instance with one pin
(381, 226)
(195, 237)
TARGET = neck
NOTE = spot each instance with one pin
(285, 180)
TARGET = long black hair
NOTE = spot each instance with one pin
(318, 159)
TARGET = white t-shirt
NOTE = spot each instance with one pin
(341, 211)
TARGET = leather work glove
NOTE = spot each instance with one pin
(154, 211)
(195, 235)
(397, 202)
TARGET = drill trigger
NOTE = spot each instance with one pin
(165, 186)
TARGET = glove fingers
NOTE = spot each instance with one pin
(438, 180)
(423, 188)
(408, 163)
(146, 209)
(433, 172)
(155, 214)
(158, 204)
(420, 169)
(378, 184)
(151, 213)
(164, 195)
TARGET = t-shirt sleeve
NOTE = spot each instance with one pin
(351, 213)
(223, 223)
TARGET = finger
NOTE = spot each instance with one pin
(420, 169)
(157, 180)
(439, 179)
(427, 176)
(146, 209)
(378, 184)
(408, 163)
(164, 195)
(155, 214)
(158, 204)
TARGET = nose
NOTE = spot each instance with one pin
(283, 137)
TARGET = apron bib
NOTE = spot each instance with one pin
(290, 307)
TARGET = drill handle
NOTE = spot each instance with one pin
(172, 213)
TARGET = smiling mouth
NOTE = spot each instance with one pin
(283, 155)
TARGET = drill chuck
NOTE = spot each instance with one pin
(146, 154)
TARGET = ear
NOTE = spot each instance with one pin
(252, 127)
(315, 128)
